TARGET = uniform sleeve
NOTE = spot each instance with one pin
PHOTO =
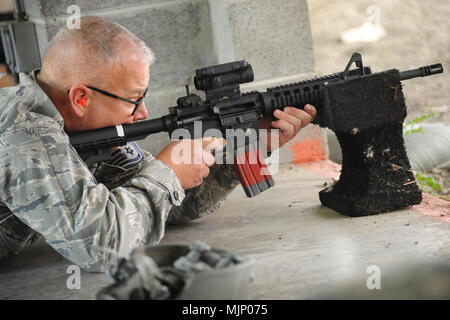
(207, 197)
(125, 162)
(198, 202)
(49, 188)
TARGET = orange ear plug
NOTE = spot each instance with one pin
(82, 102)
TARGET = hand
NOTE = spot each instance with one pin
(290, 122)
(191, 159)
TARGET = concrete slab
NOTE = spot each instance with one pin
(300, 247)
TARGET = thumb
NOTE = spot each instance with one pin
(213, 143)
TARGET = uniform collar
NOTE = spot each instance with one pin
(44, 105)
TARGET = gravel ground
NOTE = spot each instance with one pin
(417, 34)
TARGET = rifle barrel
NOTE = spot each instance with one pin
(422, 71)
(116, 135)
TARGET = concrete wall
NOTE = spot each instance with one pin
(274, 36)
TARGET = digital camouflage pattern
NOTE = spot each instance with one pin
(91, 216)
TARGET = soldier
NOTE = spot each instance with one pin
(94, 77)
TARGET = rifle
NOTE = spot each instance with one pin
(365, 110)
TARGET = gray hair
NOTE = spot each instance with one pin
(97, 42)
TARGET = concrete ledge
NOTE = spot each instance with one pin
(300, 247)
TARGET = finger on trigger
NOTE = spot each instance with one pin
(208, 158)
(213, 143)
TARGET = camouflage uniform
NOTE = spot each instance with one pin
(48, 190)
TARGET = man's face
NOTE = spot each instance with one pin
(127, 79)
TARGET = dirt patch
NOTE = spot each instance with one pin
(434, 207)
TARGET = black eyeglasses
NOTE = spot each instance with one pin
(112, 95)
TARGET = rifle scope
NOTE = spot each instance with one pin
(222, 75)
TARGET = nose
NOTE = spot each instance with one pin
(141, 112)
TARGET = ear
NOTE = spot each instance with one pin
(79, 100)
